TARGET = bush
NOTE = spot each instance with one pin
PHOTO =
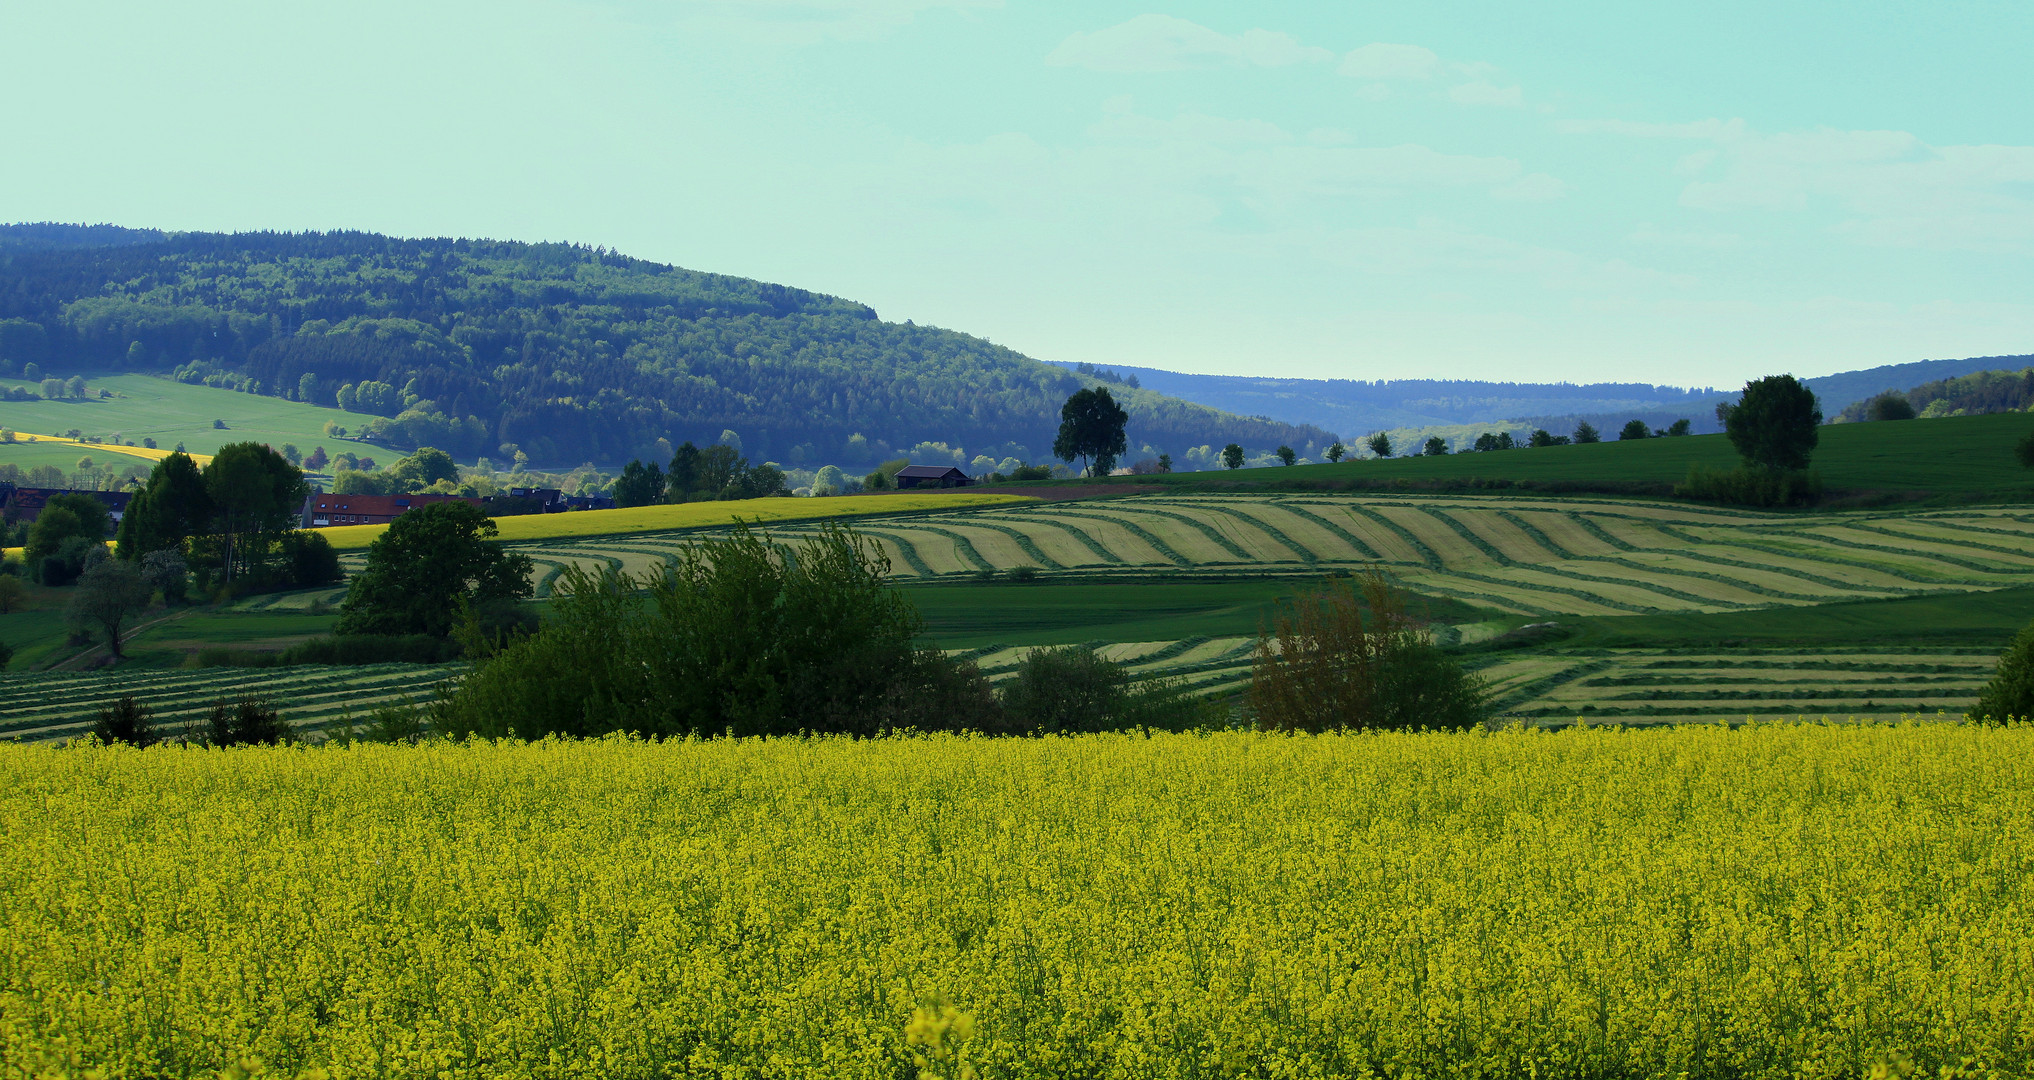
(126, 721)
(1325, 666)
(1074, 689)
(247, 722)
(2010, 694)
(741, 636)
(1750, 487)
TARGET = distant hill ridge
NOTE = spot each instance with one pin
(567, 352)
(1354, 406)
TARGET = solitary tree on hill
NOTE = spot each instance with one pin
(1232, 456)
(1436, 447)
(1091, 429)
(1286, 455)
(1585, 432)
(1380, 444)
(1336, 451)
(1775, 425)
(1635, 429)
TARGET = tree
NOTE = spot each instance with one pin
(1634, 429)
(1380, 444)
(639, 485)
(1543, 437)
(110, 592)
(422, 468)
(430, 562)
(1232, 456)
(1679, 428)
(1775, 424)
(1337, 659)
(166, 572)
(1165, 463)
(1091, 429)
(2024, 450)
(2010, 694)
(293, 455)
(317, 460)
(65, 522)
(1336, 451)
(1585, 432)
(683, 478)
(172, 507)
(1286, 456)
(257, 496)
(11, 592)
(1436, 447)
(1891, 405)
(126, 721)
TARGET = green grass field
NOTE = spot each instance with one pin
(148, 406)
(1960, 456)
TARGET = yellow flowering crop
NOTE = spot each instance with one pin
(1776, 901)
(694, 515)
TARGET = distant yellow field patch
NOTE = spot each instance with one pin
(649, 519)
(155, 454)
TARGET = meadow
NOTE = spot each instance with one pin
(1775, 901)
(1950, 458)
(150, 406)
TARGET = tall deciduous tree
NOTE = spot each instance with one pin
(173, 507)
(1585, 432)
(1232, 456)
(639, 485)
(1091, 429)
(1380, 444)
(257, 496)
(1775, 424)
(430, 561)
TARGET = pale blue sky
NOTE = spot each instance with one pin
(1691, 194)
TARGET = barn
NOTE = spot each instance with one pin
(931, 476)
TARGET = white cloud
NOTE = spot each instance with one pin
(1887, 188)
(1536, 187)
(1482, 93)
(1380, 61)
(1164, 43)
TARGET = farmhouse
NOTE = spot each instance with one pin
(321, 510)
(555, 501)
(931, 476)
(23, 504)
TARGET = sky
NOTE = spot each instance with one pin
(1682, 194)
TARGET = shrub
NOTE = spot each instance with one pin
(126, 721)
(249, 721)
(2010, 694)
(1750, 487)
(1074, 689)
(1325, 666)
(741, 636)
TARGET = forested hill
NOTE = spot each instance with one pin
(567, 352)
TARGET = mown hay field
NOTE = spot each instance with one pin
(314, 698)
(1774, 901)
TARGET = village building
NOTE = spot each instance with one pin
(23, 504)
(931, 476)
(322, 510)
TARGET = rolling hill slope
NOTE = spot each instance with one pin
(569, 353)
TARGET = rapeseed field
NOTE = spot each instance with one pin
(1775, 901)
(694, 515)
